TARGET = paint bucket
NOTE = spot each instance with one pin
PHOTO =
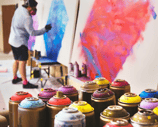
(70, 92)
(56, 104)
(144, 118)
(100, 100)
(32, 113)
(130, 102)
(13, 106)
(113, 112)
(119, 87)
(87, 89)
(102, 82)
(3, 121)
(118, 123)
(149, 93)
(5, 113)
(87, 110)
(46, 94)
(69, 117)
(148, 104)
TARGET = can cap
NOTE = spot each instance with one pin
(82, 106)
(101, 81)
(119, 83)
(149, 103)
(47, 93)
(120, 122)
(149, 93)
(20, 95)
(31, 102)
(89, 86)
(68, 89)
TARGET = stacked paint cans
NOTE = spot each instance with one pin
(56, 104)
(69, 117)
(118, 123)
(100, 100)
(149, 93)
(148, 104)
(130, 102)
(87, 110)
(144, 118)
(119, 87)
(70, 92)
(32, 113)
(13, 107)
(113, 112)
(102, 82)
(46, 94)
(87, 90)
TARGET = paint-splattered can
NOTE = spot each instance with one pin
(119, 87)
(118, 123)
(69, 117)
(13, 106)
(3, 121)
(46, 94)
(102, 82)
(100, 100)
(148, 104)
(84, 70)
(144, 118)
(130, 102)
(87, 110)
(149, 93)
(32, 113)
(87, 90)
(5, 113)
(113, 112)
(56, 104)
(70, 91)
(76, 70)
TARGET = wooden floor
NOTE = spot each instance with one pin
(7, 89)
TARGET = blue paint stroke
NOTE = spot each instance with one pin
(153, 12)
(58, 18)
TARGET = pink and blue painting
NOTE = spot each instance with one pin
(58, 18)
(113, 27)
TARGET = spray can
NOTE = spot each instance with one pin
(70, 91)
(100, 100)
(149, 93)
(71, 69)
(69, 117)
(144, 118)
(102, 82)
(32, 113)
(5, 113)
(87, 110)
(118, 123)
(46, 94)
(86, 90)
(119, 87)
(130, 102)
(56, 104)
(76, 70)
(13, 106)
(84, 70)
(3, 121)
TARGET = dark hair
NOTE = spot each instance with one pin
(31, 3)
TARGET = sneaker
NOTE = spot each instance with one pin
(30, 86)
(15, 81)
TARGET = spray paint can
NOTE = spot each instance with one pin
(149, 93)
(71, 69)
(70, 91)
(148, 104)
(56, 104)
(86, 90)
(87, 110)
(69, 117)
(102, 82)
(3, 121)
(84, 70)
(130, 102)
(76, 70)
(144, 118)
(113, 112)
(13, 106)
(5, 113)
(100, 100)
(119, 87)
(118, 123)
(46, 94)
(32, 113)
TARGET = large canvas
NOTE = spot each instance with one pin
(108, 34)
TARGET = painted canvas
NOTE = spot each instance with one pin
(110, 32)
